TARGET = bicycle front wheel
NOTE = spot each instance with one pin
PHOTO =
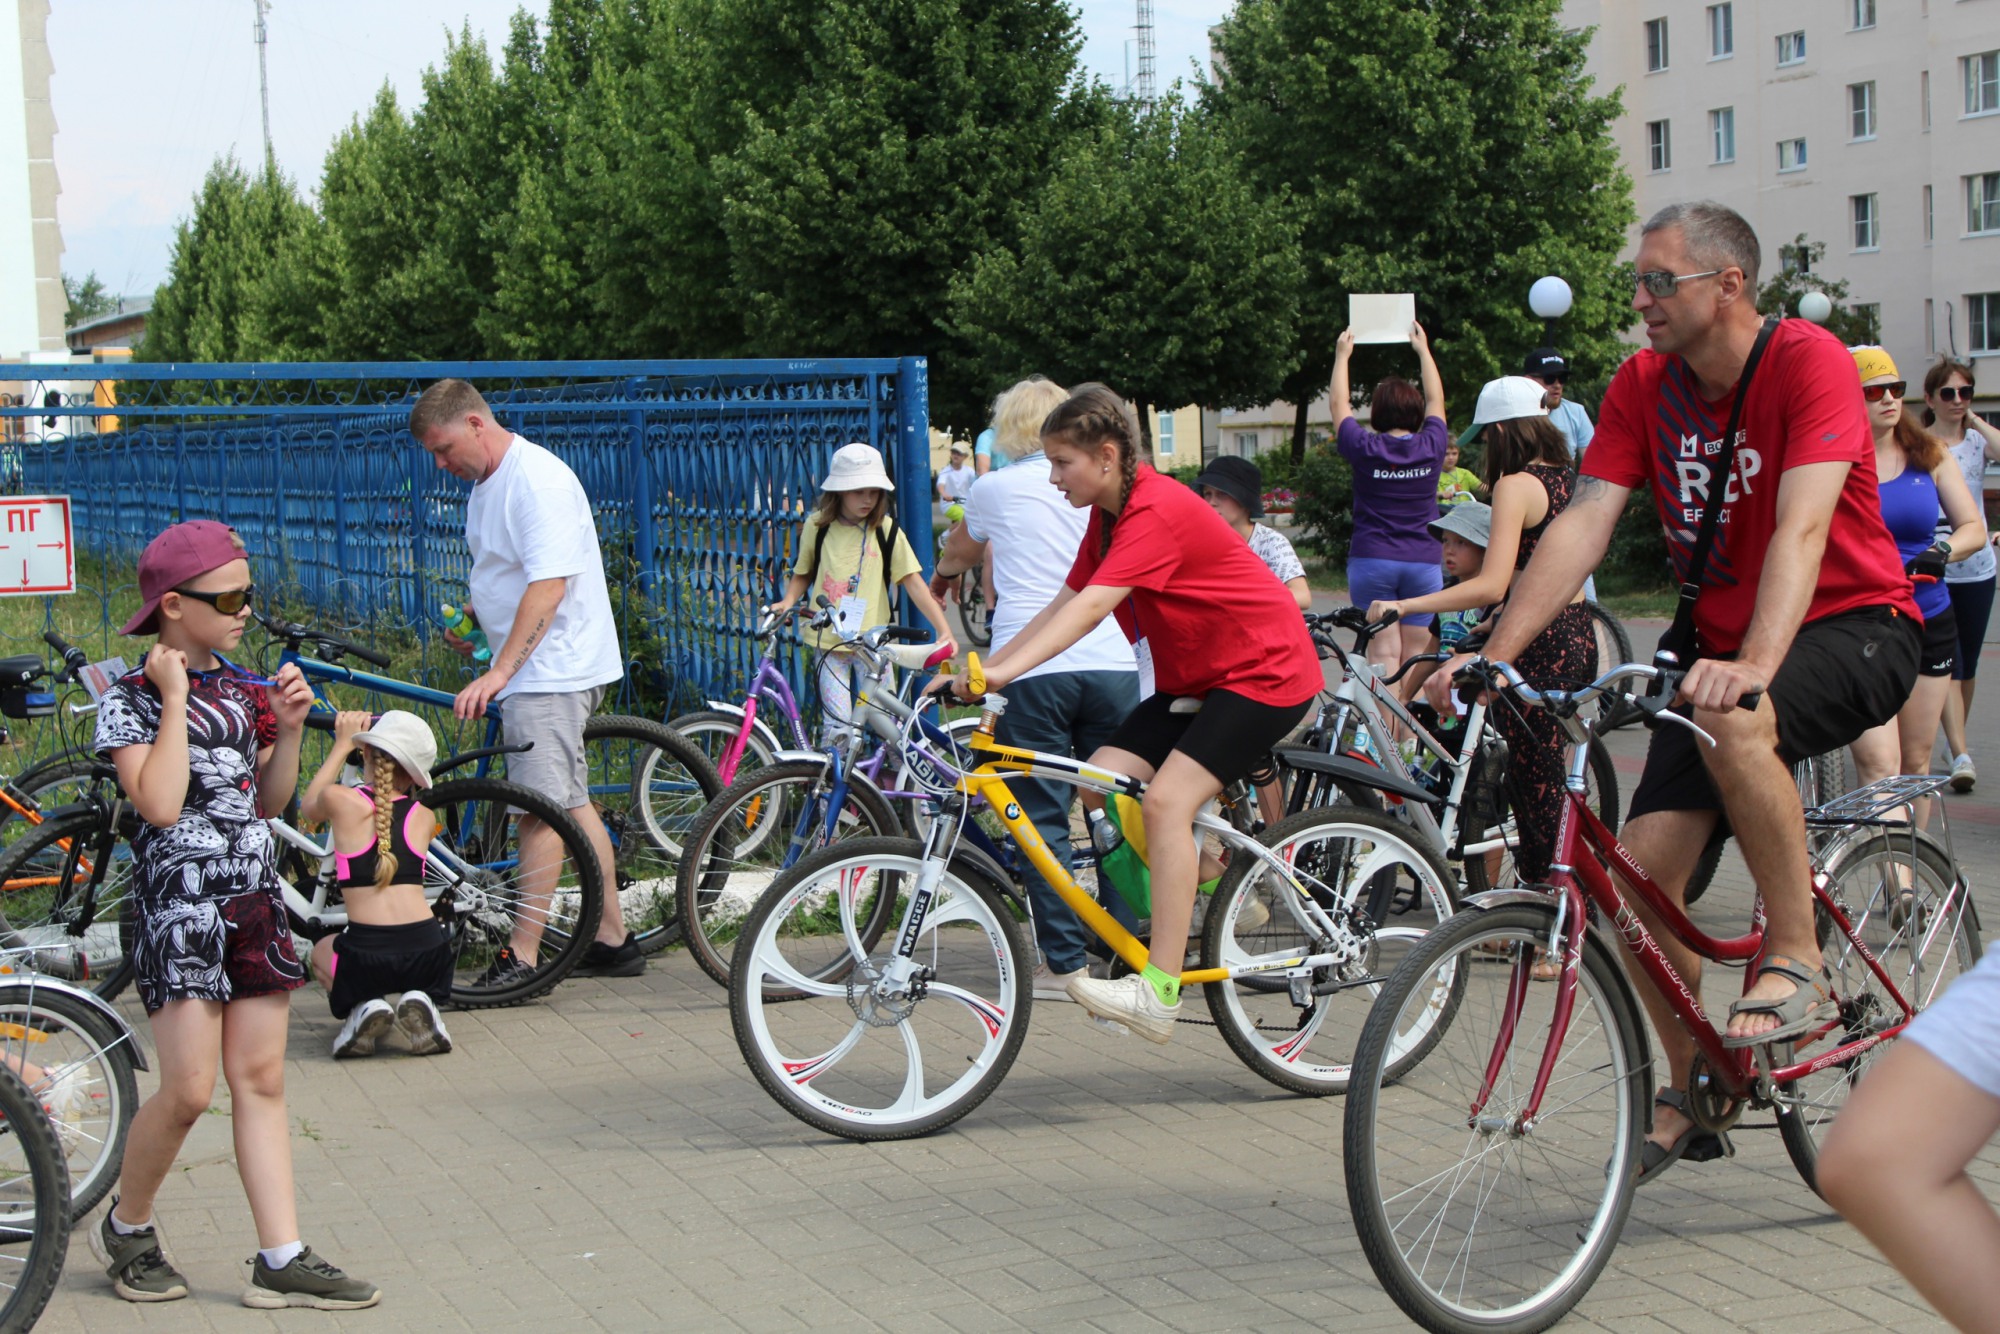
(34, 1199)
(80, 1066)
(1364, 872)
(648, 784)
(521, 911)
(1913, 911)
(46, 874)
(1473, 1216)
(892, 1048)
(728, 865)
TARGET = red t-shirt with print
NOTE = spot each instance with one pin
(1805, 407)
(1212, 613)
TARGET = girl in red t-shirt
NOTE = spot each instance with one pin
(1221, 641)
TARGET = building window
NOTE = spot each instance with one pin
(1982, 322)
(1924, 98)
(1165, 439)
(1722, 130)
(1867, 235)
(1246, 444)
(1982, 83)
(1721, 31)
(1982, 203)
(1795, 259)
(1861, 110)
(1791, 155)
(1929, 212)
(1656, 45)
(1870, 315)
(1930, 327)
(1791, 47)
(1864, 13)
(1659, 145)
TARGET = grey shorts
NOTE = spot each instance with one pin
(556, 766)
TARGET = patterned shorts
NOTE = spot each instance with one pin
(214, 949)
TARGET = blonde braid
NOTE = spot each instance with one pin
(382, 774)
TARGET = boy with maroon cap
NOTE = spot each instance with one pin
(201, 749)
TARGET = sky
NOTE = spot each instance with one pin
(148, 94)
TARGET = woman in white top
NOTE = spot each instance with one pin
(1972, 441)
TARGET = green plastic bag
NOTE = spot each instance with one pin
(1125, 865)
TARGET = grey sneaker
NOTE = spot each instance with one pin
(1964, 773)
(306, 1281)
(417, 1015)
(364, 1027)
(137, 1266)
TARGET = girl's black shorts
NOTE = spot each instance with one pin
(1227, 735)
(376, 962)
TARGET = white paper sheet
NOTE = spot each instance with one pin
(1381, 317)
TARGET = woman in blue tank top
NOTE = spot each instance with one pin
(1918, 481)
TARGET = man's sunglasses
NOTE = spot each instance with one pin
(1873, 392)
(1955, 394)
(1659, 282)
(228, 603)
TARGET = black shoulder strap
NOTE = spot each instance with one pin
(888, 551)
(819, 547)
(1679, 640)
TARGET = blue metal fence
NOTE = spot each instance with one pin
(700, 474)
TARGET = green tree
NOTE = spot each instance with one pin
(87, 298)
(207, 310)
(1147, 260)
(1454, 149)
(1779, 294)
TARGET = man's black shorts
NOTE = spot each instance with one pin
(1226, 736)
(1845, 674)
(376, 962)
(1940, 648)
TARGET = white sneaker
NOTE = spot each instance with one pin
(1130, 1001)
(67, 1101)
(1963, 774)
(417, 1015)
(1252, 915)
(1053, 986)
(368, 1022)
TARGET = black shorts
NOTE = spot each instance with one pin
(1845, 674)
(376, 962)
(1940, 650)
(225, 949)
(1227, 736)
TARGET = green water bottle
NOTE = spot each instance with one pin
(462, 625)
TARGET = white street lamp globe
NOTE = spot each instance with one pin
(1549, 298)
(1814, 306)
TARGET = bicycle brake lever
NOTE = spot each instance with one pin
(1668, 716)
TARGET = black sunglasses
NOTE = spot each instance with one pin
(229, 603)
(1955, 394)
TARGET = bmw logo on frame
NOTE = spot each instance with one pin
(1013, 811)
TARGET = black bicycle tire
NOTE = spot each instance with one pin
(690, 888)
(497, 795)
(1603, 771)
(1620, 712)
(38, 778)
(1219, 911)
(1364, 1097)
(1800, 1144)
(665, 741)
(973, 612)
(83, 825)
(48, 1245)
(1829, 777)
(115, 1050)
(998, 902)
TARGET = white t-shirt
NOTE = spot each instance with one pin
(528, 521)
(1035, 533)
(956, 483)
(1970, 455)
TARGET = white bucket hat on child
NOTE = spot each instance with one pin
(856, 467)
(1509, 397)
(406, 739)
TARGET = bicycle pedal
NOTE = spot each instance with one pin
(1112, 1025)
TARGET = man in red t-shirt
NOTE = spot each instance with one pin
(1804, 598)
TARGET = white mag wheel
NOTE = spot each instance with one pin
(1382, 892)
(1473, 1217)
(880, 1048)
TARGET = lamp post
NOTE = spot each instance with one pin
(1550, 299)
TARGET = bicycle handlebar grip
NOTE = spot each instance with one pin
(368, 655)
(73, 657)
(1748, 699)
(975, 675)
(903, 634)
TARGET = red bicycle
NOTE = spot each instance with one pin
(1490, 1182)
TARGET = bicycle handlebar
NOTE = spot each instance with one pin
(1655, 702)
(295, 635)
(74, 658)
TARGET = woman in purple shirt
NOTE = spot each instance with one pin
(1393, 555)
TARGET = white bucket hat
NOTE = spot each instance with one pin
(1507, 398)
(407, 740)
(856, 467)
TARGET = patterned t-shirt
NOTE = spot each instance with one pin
(1271, 546)
(220, 848)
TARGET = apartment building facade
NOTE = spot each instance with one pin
(1870, 125)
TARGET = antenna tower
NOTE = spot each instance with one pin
(264, 84)
(1145, 88)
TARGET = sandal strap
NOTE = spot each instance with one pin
(1672, 1097)
(1792, 968)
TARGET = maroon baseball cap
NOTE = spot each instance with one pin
(183, 552)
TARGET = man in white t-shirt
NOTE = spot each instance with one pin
(1071, 704)
(538, 591)
(955, 482)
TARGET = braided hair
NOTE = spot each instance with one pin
(382, 771)
(1090, 416)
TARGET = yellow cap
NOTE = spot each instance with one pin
(1873, 362)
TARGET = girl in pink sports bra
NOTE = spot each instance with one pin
(393, 944)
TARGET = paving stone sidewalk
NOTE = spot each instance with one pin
(603, 1160)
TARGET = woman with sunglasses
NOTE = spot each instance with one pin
(1916, 478)
(1970, 582)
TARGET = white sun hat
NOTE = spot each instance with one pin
(406, 739)
(855, 467)
(1509, 397)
